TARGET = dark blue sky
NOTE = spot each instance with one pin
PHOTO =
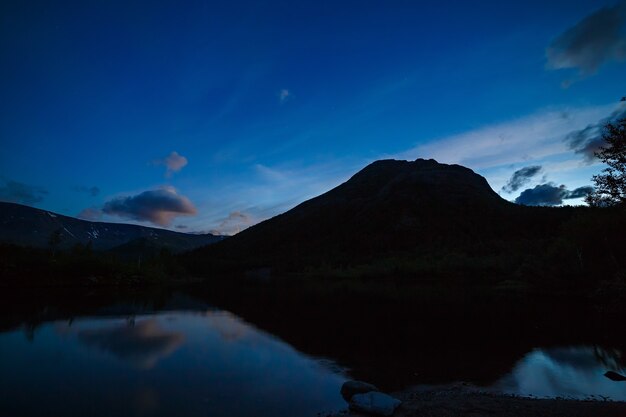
(269, 103)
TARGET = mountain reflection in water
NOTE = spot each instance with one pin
(163, 364)
(141, 344)
(282, 352)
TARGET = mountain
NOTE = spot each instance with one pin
(28, 226)
(408, 210)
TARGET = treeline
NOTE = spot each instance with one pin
(552, 249)
(564, 248)
(81, 265)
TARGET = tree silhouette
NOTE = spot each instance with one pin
(610, 185)
(54, 240)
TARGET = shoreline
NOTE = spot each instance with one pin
(463, 400)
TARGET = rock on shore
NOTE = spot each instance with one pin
(349, 388)
(376, 403)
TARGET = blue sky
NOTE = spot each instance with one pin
(267, 104)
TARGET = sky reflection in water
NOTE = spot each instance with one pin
(570, 372)
(214, 363)
(166, 364)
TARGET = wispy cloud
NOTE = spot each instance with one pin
(174, 162)
(284, 95)
(588, 140)
(595, 40)
(92, 191)
(271, 174)
(158, 206)
(298, 182)
(266, 191)
(521, 177)
(90, 213)
(525, 139)
(18, 192)
(235, 222)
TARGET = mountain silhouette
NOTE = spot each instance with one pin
(390, 208)
(29, 226)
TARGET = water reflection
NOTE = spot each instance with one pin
(145, 401)
(570, 372)
(141, 344)
(165, 353)
(162, 364)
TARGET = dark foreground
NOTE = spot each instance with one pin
(460, 401)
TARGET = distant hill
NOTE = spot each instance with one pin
(27, 226)
(392, 215)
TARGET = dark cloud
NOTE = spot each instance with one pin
(580, 192)
(588, 141)
(593, 41)
(18, 192)
(92, 191)
(542, 195)
(159, 206)
(90, 213)
(181, 226)
(521, 177)
(550, 195)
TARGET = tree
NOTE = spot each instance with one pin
(610, 185)
(54, 240)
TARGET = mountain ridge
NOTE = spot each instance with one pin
(29, 226)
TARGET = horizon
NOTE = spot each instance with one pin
(215, 117)
(217, 233)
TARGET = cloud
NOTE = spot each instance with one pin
(270, 174)
(174, 162)
(580, 192)
(588, 140)
(181, 226)
(521, 177)
(592, 42)
(92, 191)
(550, 195)
(18, 192)
(158, 206)
(533, 137)
(542, 195)
(234, 223)
(90, 213)
(284, 95)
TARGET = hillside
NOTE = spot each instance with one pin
(415, 218)
(27, 226)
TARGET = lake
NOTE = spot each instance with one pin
(204, 352)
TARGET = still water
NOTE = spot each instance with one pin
(175, 363)
(181, 355)
(566, 372)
